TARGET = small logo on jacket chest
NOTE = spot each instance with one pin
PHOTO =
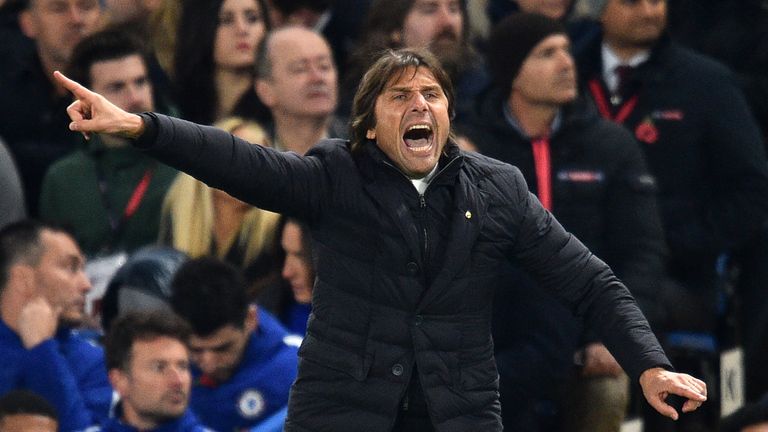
(250, 404)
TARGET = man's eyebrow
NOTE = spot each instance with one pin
(411, 89)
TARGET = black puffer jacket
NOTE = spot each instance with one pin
(386, 299)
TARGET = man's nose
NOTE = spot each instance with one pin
(318, 73)
(419, 102)
(206, 361)
(566, 59)
(76, 15)
(84, 282)
(135, 96)
(178, 375)
(447, 18)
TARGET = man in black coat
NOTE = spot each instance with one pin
(591, 174)
(706, 151)
(412, 236)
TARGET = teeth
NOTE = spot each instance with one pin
(420, 127)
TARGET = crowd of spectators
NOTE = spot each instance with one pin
(639, 124)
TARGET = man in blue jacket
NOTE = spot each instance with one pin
(42, 295)
(148, 361)
(245, 361)
(412, 236)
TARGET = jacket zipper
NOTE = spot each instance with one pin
(422, 198)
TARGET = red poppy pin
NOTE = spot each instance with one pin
(646, 132)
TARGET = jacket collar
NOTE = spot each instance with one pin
(186, 423)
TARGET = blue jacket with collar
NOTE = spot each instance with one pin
(66, 370)
(186, 423)
(260, 384)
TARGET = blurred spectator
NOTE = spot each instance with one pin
(35, 124)
(297, 80)
(130, 11)
(701, 143)
(580, 27)
(42, 293)
(244, 360)
(591, 174)
(142, 284)
(555, 9)
(734, 32)
(203, 221)
(109, 192)
(214, 59)
(162, 32)
(439, 25)
(12, 207)
(146, 19)
(291, 301)
(13, 42)
(148, 361)
(25, 411)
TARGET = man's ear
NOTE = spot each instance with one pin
(370, 134)
(22, 277)
(119, 381)
(27, 24)
(265, 92)
(252, 319)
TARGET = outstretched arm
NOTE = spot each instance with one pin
(93, 113)
(659, 383)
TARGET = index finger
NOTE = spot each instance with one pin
(75, 87)
(689, 392)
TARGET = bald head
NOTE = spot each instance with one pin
(296, 74)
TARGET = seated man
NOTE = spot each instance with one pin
(244, 360)
(148, 361)
(25, 411)
(42, 294)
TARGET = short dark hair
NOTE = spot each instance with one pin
(20, 243)
(105, 45)
(26, 402)
(391, 64)
(141, 326)
(210, 294)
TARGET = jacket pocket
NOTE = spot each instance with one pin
(481, 375)
(337, 358)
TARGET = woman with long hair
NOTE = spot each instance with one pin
(215, 58)
(200, 220)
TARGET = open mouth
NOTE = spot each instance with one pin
(418, 136)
